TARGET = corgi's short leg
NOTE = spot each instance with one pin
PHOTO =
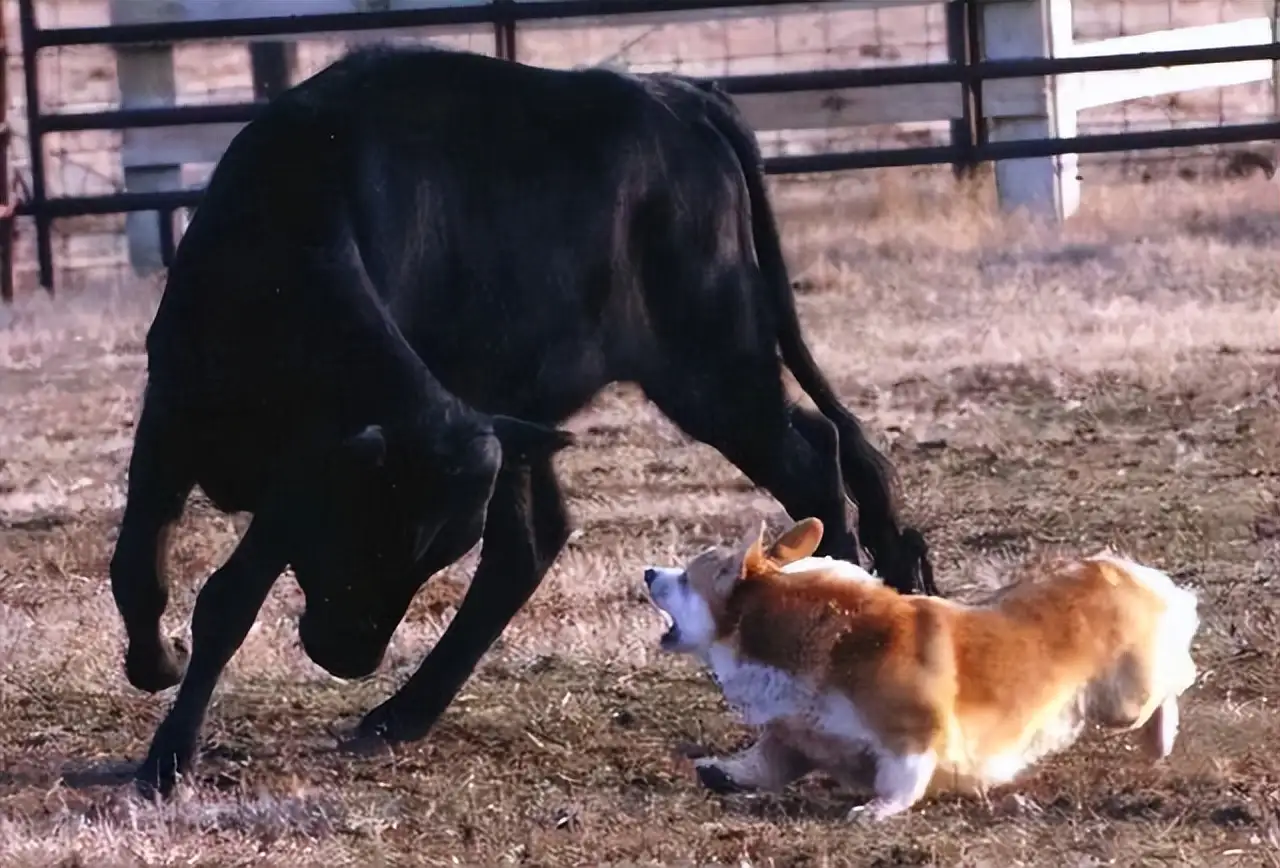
(769, 764)
(900, 782)
(1161, 730)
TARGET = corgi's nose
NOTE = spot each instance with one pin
(649, 575)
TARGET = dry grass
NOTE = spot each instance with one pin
(1110, 383)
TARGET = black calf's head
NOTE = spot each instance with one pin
(369, 518)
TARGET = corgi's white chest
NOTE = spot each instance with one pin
(761, 694)
(819, 720)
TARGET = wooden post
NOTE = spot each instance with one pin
(1035, 28)
(1275, 66)
(146, 77)
(6, 208)
(964, 133)
(272, 64)
(504, 30)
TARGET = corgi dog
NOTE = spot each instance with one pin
(908, 695)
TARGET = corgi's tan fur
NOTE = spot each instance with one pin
(912, 694)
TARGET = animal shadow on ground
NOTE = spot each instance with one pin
(216, 770)
(104, 773)
(819, 799)
(72, 774)
(342, 740)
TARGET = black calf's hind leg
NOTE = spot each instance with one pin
(899, 554)
(743, 414)
(159, 483)
(526, 528)
(823, 436)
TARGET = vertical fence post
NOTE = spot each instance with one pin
(1275, 64)
(1035, 28)
(272, 64)
(966, 131)
(504, 29)
(146, 77)
(31, 91)
(6, 207)
(963, 134)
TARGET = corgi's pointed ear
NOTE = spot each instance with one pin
(753, 556)
(752, 536)
(797, 543)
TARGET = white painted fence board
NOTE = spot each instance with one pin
(1106, 88)
(894, 104)
(1094, 89)
(1251, 31)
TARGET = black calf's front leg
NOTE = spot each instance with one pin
(158, 486)
(226, 608)
(526, 528)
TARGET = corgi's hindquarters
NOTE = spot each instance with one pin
(1176, 669)
(1172, 670)
(1177, 625)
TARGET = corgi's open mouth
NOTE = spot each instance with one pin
(672, 635)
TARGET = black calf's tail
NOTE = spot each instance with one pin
(868, 474)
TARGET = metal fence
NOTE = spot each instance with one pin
(955, 34)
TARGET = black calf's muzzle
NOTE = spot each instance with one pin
(342, 653)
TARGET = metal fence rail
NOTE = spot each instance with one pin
(969, 144)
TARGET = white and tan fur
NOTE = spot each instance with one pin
(913, 694)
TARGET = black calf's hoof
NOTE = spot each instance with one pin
(917, 549)
(156, 778)
(169, 758)
(714, 779)
(354, 742)
(149, 789)
(156, 669)
(386, 724)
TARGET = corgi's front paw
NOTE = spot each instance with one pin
(714, 778)
(876, 810)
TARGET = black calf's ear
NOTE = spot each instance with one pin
(523, 441)
(369, 446)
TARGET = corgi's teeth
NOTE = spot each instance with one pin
(667, 619)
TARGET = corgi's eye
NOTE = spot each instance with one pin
(683, 581)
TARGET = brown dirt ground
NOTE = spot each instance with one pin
(1113, 382)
